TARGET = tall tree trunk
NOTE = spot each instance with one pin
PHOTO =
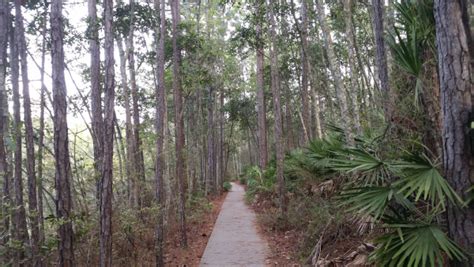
(160, 94)
(348, 4)
(139, 168)
(221, 141)
(306, 114)
(381, 57)
(129, 165)
(277, 109)
(20, 231)
(457, 92)
(261, 109)
(61, 148)
(179, 123)
(4, 173)
(335, 73)
(96, 97)
(210, 179)
(41, 128)
(30, 147)
(107, 166)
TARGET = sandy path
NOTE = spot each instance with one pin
(235, 240)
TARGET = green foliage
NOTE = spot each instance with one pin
(227, 186)
(415, 245)
(400, 193)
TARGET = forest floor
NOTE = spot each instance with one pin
(199, 230)
(235, 240)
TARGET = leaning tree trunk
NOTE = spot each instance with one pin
(61, 148)
(279, 143)
(457, 92)
(179, 123)
(336, 74)
(107, 164)
(160, 94)
(305, 68)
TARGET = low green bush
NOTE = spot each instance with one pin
(227, 186)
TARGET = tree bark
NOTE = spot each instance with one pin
(4, 173)
(30, 147)
(381, 57)
(20, 231)
(107, 166)
(179, 123)
(211, 164)
(96, 97)
(61, 148)
(306, 114)
(279, 143)
(261, 109)
(457, 91)
(139, 168)
(160, 94)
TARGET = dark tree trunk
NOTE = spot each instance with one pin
(211, 173)
(107, 163)
(139, 168)
(160, 94)
(381, 56)
(277, 109)
(261, 109)
(457, 91)
(4, 173)
(306, 114)
(30, 147)
(61, 148)
(179, 123)
(20, 231)
(96, 97)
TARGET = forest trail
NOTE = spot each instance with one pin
(235, 240)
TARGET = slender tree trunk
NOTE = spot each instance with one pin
(96, 98)
(305, 112)
(210, 180)
(277, 109)
(20, 231)
(139, 168)
(61, 148)
(336, 74)
(4, 173)
(221, 141)
(107, 166)
(261, 109)
(41, 129)
(457, 92)
(30, 147)
(348, 4)
(381, 57)
(179, 123)
(160, 94)
(130, 165)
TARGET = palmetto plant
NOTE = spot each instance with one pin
(405, 195)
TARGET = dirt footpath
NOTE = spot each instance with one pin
(235, 240)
